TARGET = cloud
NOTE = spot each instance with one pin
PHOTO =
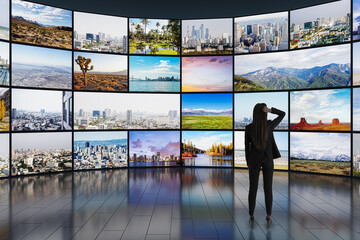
(137, 143)
(172, 148)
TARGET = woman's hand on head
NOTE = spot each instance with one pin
(266, 109)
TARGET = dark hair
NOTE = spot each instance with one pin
(260, 133)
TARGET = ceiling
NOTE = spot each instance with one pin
(181, 9)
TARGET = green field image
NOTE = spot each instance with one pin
(356, 173)
(329, 167)
(207, 122)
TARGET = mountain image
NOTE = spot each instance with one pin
(272, 78)
(319, 157)
(206, 112)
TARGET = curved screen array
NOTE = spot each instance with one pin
(88, 91)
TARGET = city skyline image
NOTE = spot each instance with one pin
(154, 74)
(31, 67)
(207, 36)
(244, 112)
(54, 25)
(95, 32)
(4, 155)
(4, 64)
(261, 33)
(321, 25)
(138, 111)
(4, 19)
(154, 148)
(308, 68)
(207, 74)
(321, 110)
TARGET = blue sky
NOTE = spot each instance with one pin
(35, 100)
(221, 101)
(151, 25)
(96, 136)
(150, 142)
(204, 139)
(320, 105)
(356, 14)
(281, 139)
(263, 18)
(356, 57)
(245, 102)
(153, 67)
(216, 26)
(40, 56)
(4, 13)
(42, 14)
(106, 63)
(42, 141)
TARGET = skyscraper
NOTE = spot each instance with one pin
(129, 117)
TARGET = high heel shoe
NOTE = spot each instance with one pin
(251, 220)
(268, 220)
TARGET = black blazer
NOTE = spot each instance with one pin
(252, 154)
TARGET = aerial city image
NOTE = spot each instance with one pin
(41, 152)
(40, 110)
(261, 33)
(100, 33)
(100, 149)
(207, 36)
(321, 25)
(136, 111)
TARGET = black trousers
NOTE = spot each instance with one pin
(267, 166)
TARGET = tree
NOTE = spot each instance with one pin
(83, 63)
(174, 29)
(2, 110)
(157, 31)
(145, 22)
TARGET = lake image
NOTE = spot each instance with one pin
(207, 160)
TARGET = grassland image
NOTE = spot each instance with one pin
(100, 72)
(320, 152)
(41, 25)
(207, 111)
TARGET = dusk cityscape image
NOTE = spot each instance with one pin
(100, 33)
(154, 148)
(41, 152)
(321, 25)
(31, 67)
(137, 111)
(207, 36)
(4, 155)
(94, 150)
(154, 74)
(245, 102)
(4, 64)
(261, 33)
(40, 110)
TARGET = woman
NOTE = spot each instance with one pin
(260, 150)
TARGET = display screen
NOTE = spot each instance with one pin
(4, 64)
(154, 148)
(100, 72)
(41, 25)
(311, 68)
(40, 110)
(207, 74)
(261, 33)
(93, 150)
(103, 111)
(245, 102)
(154, 36)
(207, 36)
(207, 111)
(281, 139)
(356, 154)
(207, 148)
(4, 109)
(320, 25)
(4, 155)
(320, 152)
(356, 109)
(321, 110)
(41, 152)
(4, 19)
(356, 20)
(356, 64)
(100, 33)
(37, 67)
(154, 74)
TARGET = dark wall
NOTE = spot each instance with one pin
(181, 9)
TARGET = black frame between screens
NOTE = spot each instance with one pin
(10, 132)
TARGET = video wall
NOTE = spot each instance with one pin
(88, 91)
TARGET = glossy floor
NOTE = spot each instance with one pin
(192, 203)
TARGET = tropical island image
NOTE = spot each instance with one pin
(207, 148)
(154, 36)
(41, 25)
(100, 72)
(207, 111)
(320, 110)
(311, 68)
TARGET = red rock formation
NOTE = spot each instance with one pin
(320, 123)
(335, 121)
(301, 124)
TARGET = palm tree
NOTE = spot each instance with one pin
(145, 22)
(157, 33)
